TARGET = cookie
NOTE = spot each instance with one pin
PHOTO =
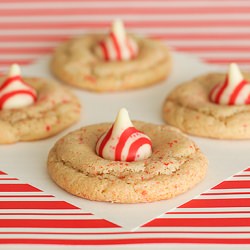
(77, 62)
(55, 108)
(175, 165)
(195, 108)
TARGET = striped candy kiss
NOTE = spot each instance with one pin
(123, 142)
(14, 92)
(234, 91)
(117, 46)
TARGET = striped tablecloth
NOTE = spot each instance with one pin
(218, 216)
(217, 31)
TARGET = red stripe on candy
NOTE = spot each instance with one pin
(247, 101)
(9, 80)
(221, 90)
(104, 141)
(122, 140)
(135, 146)
(5, 97)
(116, 46)
(212, 92)
(104, 50)
(130, 48)
(236, 92)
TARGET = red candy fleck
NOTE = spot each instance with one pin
(65, 101)
(172, 143)
(48, 128)
(90, 78)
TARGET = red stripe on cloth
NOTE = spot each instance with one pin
(211, 48)
(229, 193)
(34, 38)
(22, 196)
(54, 25)
(8, 179)
(155, 240)
(208, 203)
(217, 212)
(52, 214)
(36, 205)
(233, 184)
(57, 223)
(199, 222)
(206, 36)
(165, 36)
(124, 233)
(26, 50)
(242, 175)
(18, 188)
(91, 1)
(6, 62)
(129, 24)
(226, 60)
(127, 10)
(2, 173)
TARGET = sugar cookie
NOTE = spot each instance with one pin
(175, 165)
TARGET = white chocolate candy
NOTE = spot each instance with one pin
(119, 30)
(14, 92)
(117, 46)
(235, 90)
(123, 142)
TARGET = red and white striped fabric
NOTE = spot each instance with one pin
(30, 216)
(215, 30)
(219, 216)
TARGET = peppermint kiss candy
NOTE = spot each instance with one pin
(234, 91)
(117, 46)
(123, 142)
(14, 92)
